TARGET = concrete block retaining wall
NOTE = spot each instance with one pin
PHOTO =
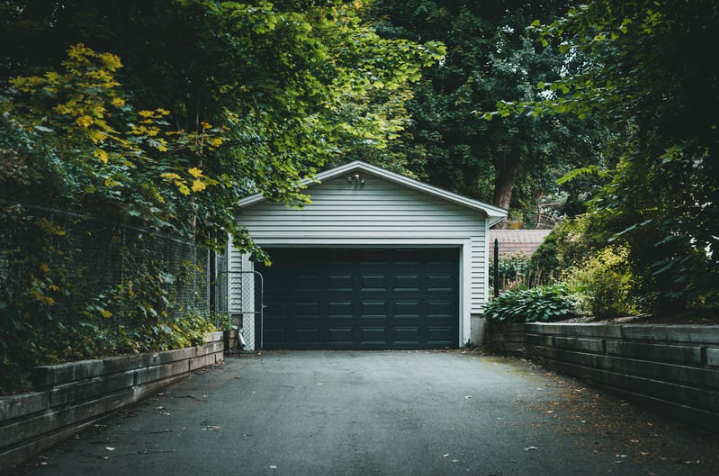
(672, 369)
(505, 338)
(74, 395)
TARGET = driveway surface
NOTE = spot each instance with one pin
(381, 413)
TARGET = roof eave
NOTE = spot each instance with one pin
(494, 214)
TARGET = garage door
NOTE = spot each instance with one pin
(361, 299)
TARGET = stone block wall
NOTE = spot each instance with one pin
(505, 338)
(74, 395)
(672, 369)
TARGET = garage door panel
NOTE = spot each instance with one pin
(307, 283)
(440, 335)
(307, 335)
(407, 282)
(403, 309)
(407, 335)
(276, 335)
(341, 336)
(340, 310)
(441, 308)
(373, 310)
(371, 256)
(275, 309)
(362, 299)
(373, 335)
(439, 282)
(373, 282)
(307, 310)
(339, 283)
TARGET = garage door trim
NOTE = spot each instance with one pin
(464, 263)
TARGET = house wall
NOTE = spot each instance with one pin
(235, 265)
(381, 213)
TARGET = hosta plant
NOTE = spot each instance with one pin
(540, 304)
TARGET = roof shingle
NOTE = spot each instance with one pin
(517, 241)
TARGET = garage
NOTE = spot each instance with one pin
(361, 298)
(377, 260)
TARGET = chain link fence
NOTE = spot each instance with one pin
(74, 286)
(242, 301)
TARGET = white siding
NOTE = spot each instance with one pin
(340, 210)
(234, 280)
(379, 213)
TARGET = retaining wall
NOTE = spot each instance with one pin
(672, 369)
(505, 338)
(72, 396)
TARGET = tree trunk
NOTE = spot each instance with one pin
(504, 179)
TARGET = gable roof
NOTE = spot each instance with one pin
(494, 214)
(518, 241)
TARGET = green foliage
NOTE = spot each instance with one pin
(540, 304)
(74, 288)
(253, 98)
(650, 72)
(516, 270)
(223, 321)
(605, 283)
(568, 244)
(508, 161)
(545, 258)
(513, 269)
(162, 115)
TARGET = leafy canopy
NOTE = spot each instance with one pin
(216, 100)
(509, 161)
(652, 73)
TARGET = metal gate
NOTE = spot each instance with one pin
(240, 294)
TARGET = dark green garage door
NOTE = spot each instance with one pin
(361, 299)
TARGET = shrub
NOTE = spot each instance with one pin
(545, 261)
(542, 304)
(566, 246)
(606, 283)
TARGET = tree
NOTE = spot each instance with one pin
(651, 70)
(162, 115)
(249, 97)
(509, 161)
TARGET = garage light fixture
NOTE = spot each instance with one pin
(356, 177)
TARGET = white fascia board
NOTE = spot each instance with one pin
(494, 214)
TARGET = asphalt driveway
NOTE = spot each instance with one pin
(381, 413)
